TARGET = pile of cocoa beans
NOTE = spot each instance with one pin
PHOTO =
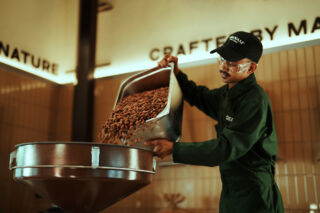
(130, 115)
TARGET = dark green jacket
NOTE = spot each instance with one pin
(245, 148)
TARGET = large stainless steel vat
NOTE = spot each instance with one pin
(82, 177)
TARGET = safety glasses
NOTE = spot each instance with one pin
(233, 66)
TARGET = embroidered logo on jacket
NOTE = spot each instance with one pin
(229, 118)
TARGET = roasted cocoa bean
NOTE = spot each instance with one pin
(130, 115)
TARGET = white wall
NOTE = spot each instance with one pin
(127, 33)
(45, 28)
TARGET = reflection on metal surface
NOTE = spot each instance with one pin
(134, 160)
(132, 175)
(60, 151)
(95, 155)
(57, 172)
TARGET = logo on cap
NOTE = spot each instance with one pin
(236, 40)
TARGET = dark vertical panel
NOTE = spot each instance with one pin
(83, 93)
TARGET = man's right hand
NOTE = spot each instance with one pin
(166, 60)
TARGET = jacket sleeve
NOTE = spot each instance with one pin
(235, 140)
(200, 96)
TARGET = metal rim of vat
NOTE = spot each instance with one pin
(95, 160)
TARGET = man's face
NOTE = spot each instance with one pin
(233, 72)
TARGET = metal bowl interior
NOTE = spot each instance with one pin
(80, 176)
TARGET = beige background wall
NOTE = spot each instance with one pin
(173, 23)
(33, 110)
(30, 110)
(45, 29)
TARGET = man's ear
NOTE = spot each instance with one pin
(253, 68)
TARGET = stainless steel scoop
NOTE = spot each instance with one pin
(169, 121)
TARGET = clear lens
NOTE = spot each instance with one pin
(232, 67)
(242, 67)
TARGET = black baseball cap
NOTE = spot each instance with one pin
(240, 45)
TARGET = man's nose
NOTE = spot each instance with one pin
(224, 67)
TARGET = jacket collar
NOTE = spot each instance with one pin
(241, 87)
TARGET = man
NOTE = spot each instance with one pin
(246, 144)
